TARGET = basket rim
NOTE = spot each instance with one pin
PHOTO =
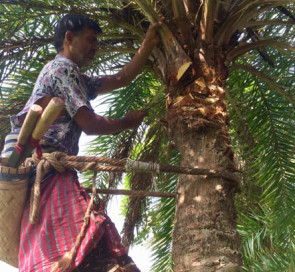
(14, 171)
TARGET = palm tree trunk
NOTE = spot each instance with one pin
(205, 236)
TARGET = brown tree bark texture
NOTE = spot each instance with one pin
(205, 238)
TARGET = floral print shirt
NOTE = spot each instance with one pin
(61, 78)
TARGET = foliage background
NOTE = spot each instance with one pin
(260, 93)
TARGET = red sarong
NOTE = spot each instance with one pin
(62, 209)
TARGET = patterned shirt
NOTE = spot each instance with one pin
(61, 78)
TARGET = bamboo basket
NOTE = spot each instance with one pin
(13, 192)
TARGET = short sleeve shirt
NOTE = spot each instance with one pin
(62, 78)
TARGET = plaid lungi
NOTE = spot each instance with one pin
(62, 208)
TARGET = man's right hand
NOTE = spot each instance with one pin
(134, 118)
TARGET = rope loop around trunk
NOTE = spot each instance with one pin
(61, 161)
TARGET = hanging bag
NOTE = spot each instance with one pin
(13, 193)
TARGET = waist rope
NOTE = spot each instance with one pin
(61, 161)
(44, 164)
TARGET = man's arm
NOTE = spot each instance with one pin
(134, 67)
(93, 124)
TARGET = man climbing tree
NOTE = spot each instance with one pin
(63, 201)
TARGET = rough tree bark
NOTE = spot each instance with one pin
(205, 238)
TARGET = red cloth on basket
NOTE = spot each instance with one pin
(62, 208)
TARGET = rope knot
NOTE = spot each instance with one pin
(43, 163)
(50, 160)
(54, 160)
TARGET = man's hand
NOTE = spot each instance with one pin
(151, 35)
(125, 76)
(134, 118)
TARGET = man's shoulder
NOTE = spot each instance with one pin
(60, 65)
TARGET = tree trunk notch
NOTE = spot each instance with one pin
(205, 236)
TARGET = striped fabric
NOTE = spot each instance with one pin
(62, 209)
(11, 139)
(9, 144)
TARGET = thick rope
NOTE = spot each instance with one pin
(136, 166)
(48, 161)
(60, 162)
(115, 165)
(43, 166)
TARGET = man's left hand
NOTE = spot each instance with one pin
(152, 35)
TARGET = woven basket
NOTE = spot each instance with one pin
(13, 191)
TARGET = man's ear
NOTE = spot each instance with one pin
(69, 37)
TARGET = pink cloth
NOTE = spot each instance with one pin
(62, 209)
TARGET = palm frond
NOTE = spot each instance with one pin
(266, 223)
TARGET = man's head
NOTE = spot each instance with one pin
(76, 37)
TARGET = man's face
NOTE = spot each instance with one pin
(84, 47)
